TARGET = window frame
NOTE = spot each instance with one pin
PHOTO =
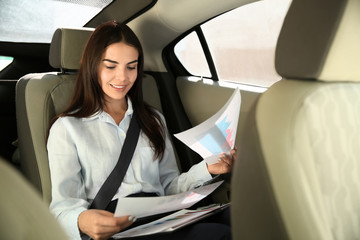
(209, 59)
(171, 61)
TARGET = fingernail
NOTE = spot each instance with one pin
(219, 160)
(132, 218)
(224, 155)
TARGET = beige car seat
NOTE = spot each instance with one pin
(23, 213)
(41, 96)
(298, 173)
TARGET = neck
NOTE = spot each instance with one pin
(116, 110)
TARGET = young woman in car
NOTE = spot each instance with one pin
(85, 141)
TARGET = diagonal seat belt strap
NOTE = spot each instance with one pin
(113, 182)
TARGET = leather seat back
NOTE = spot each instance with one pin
(298, 171)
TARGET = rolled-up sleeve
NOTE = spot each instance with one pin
(68, 190)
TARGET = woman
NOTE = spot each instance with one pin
(85, 141)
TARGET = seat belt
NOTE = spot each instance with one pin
(112, 183)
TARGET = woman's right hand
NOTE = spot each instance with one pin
(101, 224)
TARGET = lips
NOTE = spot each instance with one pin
(117, 86)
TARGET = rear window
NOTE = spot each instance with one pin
(5, 61)
(36, 21)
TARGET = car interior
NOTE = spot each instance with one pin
(296, 174)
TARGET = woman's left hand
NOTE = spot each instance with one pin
(224, 165)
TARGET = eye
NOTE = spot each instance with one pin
(110, 67)
(131, 67)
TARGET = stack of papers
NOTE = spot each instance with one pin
(171, 222)
(147, 206)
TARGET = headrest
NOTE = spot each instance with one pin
(320, 39)
(67, 46)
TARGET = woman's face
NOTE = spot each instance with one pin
(118, 71)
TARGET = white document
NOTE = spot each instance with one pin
(217, 134)
(147, 206)
(169, 223)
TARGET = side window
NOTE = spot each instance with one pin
(189, 51)
(5, 61)
(241, 43)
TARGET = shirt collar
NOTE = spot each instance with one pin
(101, 113)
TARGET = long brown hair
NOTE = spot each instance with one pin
(88, 96)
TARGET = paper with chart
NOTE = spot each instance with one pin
(217, 134)
(147, 206)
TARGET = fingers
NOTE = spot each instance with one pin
(224, 158)
(100, 224)
(109, 220)
(112, 226)
(225, 163)
(228, 158)
(233, 153)
(115, 224)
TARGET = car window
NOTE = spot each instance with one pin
(241, 42)
(5, 61)
(39, 19)
(189, 51)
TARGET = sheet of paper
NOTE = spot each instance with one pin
(217, 134)
(147, 206)
(167, 223)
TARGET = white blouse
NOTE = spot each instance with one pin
(82, 153)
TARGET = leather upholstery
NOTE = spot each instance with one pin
(298, 173)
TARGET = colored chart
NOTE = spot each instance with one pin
(217, 134)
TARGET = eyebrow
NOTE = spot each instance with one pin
(115, 62)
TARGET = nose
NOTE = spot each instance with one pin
(120, 74)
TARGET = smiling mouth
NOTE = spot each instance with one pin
(117, 86)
